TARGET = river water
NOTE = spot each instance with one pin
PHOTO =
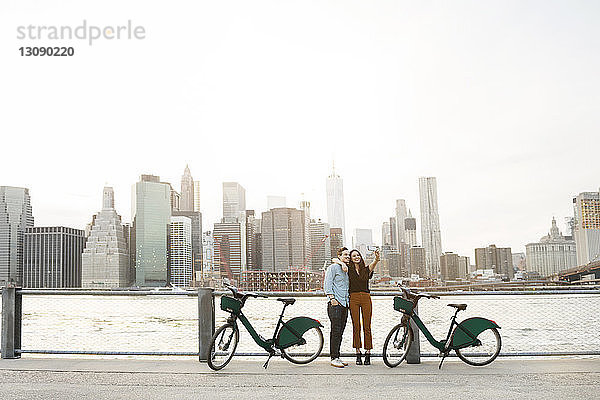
(530, 323)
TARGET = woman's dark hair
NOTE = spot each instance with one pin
(362, 260)
(341, 250)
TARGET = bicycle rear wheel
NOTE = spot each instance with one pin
(222, 346)
(397, 344)
(307, 352)
(483, 353)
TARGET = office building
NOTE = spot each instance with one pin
(418, 261)
(52, 257)
(234, 201)
(553, 253)
(151, 211)
(401, 215)
(410, 227)
(498, 259)
(386, 234)
(336, 240)
(362, 239)
(187, 191)
(106, 261)
(453, 266)
(586, 229)
(430, 225)
(276, 202)
(180, 252)
(197, 196)
(335, 202)
(196, 238)
(227, 249)
(15, 217)
(320, 245)
(284, 242)
(207, 256)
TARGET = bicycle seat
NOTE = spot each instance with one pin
(460, 307)
(286, 301)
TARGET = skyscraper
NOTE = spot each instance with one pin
(362, 239)
(52, 257)
(336, 240)
(197, 196)
(151, 211)
(105, 262)
(551, 254)
(15, 217)
(410, 226)
(180, 251)
(335, 202)
(586, 230)
(430, 225)
(320, 245)
(453, 266)
(400, 217)
(234, 201)
(196, 238)
(498, 259)
(275, 202)
(187, 191)
(283, 239)
(227, 249)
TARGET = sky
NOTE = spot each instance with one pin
(499, 100)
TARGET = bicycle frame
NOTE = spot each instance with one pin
(443, 345)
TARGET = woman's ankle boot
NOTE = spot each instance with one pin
(367, 358)
(359, 359)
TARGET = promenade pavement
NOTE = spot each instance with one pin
(70, 378)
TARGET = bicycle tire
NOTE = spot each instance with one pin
(303, 354)
(229, 347)
(394, 351)
(490, 348)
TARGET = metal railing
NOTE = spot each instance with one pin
(171, 323)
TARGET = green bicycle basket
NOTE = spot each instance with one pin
(403, 305)
(230, 304)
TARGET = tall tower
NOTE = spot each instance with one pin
(587, 227)
(197, 196)
(15, 218)
(234, 201)
(187, 191)
(335, 202)
(283, 239)
(400, 217)
(410, 226)
(430, 225)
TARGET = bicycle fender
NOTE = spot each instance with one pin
(292, 331)
(465, 333)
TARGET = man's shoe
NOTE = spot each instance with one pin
(368, 359)
(336, 362)
(343, 362)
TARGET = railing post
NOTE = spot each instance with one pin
(11, 322)
(414, 353)
(206, 321)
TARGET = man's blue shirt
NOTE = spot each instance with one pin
(337, 283)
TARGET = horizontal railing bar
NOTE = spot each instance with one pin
(60, 292)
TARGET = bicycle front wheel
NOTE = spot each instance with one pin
(397, 344)
(483, 353)
(222, 346)
(307, 352)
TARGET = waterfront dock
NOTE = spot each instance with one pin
(514, 378)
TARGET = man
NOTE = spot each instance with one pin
(336, 288)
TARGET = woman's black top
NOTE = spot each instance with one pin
(359, 281)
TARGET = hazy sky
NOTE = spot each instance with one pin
(499, 100)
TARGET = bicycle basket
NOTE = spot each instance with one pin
(403, 305)
(230, 304)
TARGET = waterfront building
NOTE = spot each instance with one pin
(187, 191)
(320, 245)
(336, 240)
(335, 202)
(151, 211)
(197, 196)
(586, 229)
(180, 252)
(418, 261)
(410, 227)
(430, 225)
(401, 215)
(52, 257)
(276, 202)
(284, 241)
(498, 259)
(227, 249)
(106, 262)
(15, 217)
(453, 266)
(207, 255)
(234, 201)
(362, 239)
(553, 253)
(196, 238)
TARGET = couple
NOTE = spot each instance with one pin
(347, 286)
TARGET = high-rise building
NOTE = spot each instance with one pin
(283, 239)
(418, 261)
(227, 249)
(551, 254)
(276, 202)
(586, 229)
(180, 252)
(106, 262)
(335, 202)
(498, 259)
(453, 266)
(386, 234)
(394, 233)
(151, 211)
(187, 191)
(320, 245)
(52, 257)
(197, 196)
(430, 225)
(234, 201)
(401, 215)
(410, 227)
(15, 217)
(207, 255)
(362, 239)
(196, 239)
(252, 232)
(336, 240)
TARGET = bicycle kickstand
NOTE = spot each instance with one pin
(443, 357)
(266, 364)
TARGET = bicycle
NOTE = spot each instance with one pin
(476, 340)
(300, 340)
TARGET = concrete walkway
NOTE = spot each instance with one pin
(69, 378)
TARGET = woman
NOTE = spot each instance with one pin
(360, 302)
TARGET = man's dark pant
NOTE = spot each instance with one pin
(338, 316)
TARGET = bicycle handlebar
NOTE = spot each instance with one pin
(415, 295)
